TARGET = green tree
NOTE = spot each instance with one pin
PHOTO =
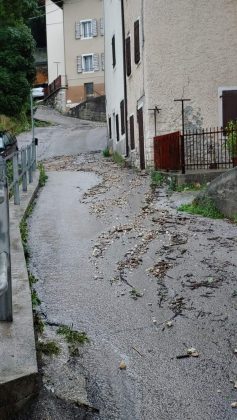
(17, 71)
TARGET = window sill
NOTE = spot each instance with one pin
(86, 37)
(89, 71)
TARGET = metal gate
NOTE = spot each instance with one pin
(167, 152)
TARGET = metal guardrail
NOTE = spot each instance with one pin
(22, 164)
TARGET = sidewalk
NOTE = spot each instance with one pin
(18, 364)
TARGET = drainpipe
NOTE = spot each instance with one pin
(125, 79)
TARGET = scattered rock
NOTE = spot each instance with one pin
(122, 365)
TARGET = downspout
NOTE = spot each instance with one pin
(125, 79)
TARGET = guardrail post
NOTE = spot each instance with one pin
(16, 179)
(29, 163)
(24, 169)
(33, 155)
(5, 259)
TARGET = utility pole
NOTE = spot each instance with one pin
(156, 111)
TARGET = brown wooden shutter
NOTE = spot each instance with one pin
(113, 51)
(110, 129)
(229, 106)
(122, 117)
(117, 127)
(136, 42)
(128, 55)
(132, 138)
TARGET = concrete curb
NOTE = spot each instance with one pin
(18, 363)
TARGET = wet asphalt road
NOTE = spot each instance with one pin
(100, 238)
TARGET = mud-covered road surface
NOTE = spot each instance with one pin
(153, 288)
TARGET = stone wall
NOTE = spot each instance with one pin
(223, 192)
(58, 100)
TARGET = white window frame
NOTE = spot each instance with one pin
(83, 67)
(82, 22)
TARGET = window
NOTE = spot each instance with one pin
(113, 51)
(87, 63)
(89, 89)
(136, 42)
(229, 106)
(132, 139)
(117, 127)
(122, 117)
(128, 55)
(110, 130)
(86, 29)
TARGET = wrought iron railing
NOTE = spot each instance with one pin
(208, 149)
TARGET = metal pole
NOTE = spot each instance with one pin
(29, 163)
(182, 136)
(156, 111)
(16, 179)
(32, 116)
(5, 259)
(24, 169)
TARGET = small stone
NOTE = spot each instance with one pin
(154, 321)
(149, 304)
(169, 324)
(234, 404)
(122, 365)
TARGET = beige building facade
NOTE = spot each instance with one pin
(84, 48)
(178, 49)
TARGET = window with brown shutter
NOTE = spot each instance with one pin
(113, 51)
(122, 117)
(128, 55)
(229, 106)
(117, 127)
(110, 130)
(136, 42)
(132, 139)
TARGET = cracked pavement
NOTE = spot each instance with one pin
(115, 259)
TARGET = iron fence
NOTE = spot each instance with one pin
(208, 149)
(15, 170)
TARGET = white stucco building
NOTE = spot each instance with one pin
(177, 49)
(114, 76)
(55, 40)
(75, 40)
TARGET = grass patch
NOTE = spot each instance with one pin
(50, 348)
(106, 152)
(204, 207)
(40, 123)
(35, 299)
(157, 179)
(24, 237)
(119, 159)
(38, 323)
(72, 336)
(43, 176)
(15, 124)
(185, 187)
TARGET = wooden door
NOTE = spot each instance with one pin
(141, 137)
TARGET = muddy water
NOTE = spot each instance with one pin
(145, 283)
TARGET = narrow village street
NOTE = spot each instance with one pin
(154, 289)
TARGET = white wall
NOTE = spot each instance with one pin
(55, 40)
(190, 52)
(114, 79)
